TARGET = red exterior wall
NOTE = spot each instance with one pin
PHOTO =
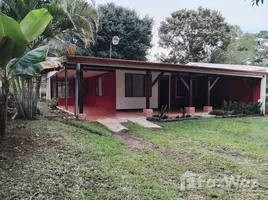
(235, 89)
(228, 88)
(61, 101)
(109, 99)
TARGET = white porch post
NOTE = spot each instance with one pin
(77, 89)
(263, 93)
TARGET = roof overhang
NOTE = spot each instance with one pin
(115, 64)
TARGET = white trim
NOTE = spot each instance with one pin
(263, 94)
(201, 71)
(169, 100)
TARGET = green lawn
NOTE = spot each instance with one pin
(52, 160)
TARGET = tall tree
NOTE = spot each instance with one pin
(135, 33)
(241, 50)
(262, 47)
(14, 38)
(193, 35)
(74, 21)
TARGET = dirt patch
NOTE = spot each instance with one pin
(134, 142)
(235, 157)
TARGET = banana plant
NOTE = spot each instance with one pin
(15, 61)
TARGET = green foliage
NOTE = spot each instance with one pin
(241, 50)
(183, 110)
(194, 35)
(135, 33)
(74, 22)
(53, 103)
(232, 107)
(257, 2)
(34, 24)
(11, 38)
(162, 114)
(28, 64)
(217, 113)
(253, 108)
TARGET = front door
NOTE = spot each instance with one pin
(164, 91)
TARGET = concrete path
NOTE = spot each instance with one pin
(115, 125)
(143, 122)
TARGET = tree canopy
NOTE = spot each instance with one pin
(135, 33)
(193, 35)
(241, 50)
(257, 2)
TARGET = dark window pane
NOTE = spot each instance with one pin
(128, 85)
(138, 86)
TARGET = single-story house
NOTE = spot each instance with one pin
(114, 85)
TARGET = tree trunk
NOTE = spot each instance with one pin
(4, 106)
(36, 93)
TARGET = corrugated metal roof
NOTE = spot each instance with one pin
(230, 67)
(207, 68)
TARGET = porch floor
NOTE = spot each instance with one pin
(96, 113)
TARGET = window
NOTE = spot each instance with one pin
(99, 87)
(135, 85)
(181, 89)
(61, 89)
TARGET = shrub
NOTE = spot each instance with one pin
(162, 114)
(53, 103)
(217, 113)
(183, 110)
(253, 108)
(232, 107)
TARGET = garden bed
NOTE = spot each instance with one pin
(240, 116)
(156, 119)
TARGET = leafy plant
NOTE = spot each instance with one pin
(217, 113)
(53, 103)
(188, 116)
(253, 108)
(183, 110)
(14, 38)
(162, 114)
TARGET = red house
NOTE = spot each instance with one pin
(103, 87)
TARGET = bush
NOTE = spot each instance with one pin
(217, 113)
(234, 108)
(253, 108)
(53, 103)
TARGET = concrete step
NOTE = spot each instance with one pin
(141, 121)
(114, 125)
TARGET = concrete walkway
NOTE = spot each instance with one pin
(115, 125)
(143, 122)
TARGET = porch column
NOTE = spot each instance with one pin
(77, 89)
(56, 80)
(191, 91)
(66, 89)
(208, 90)
(81, 91)
(208, 107)
(148, 87)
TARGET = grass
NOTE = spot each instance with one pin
(47, 159)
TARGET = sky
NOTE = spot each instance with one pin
(236, 12)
